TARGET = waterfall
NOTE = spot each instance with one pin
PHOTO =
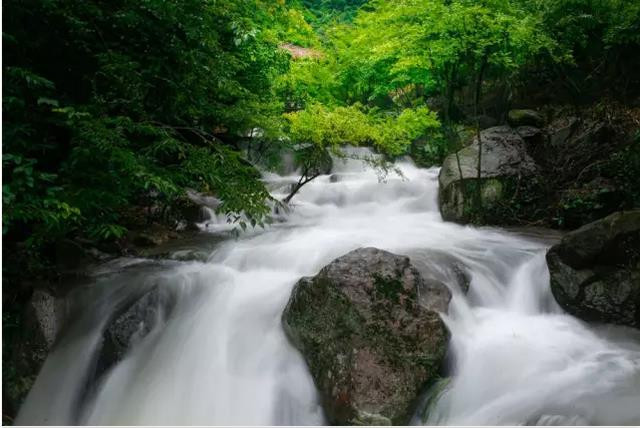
(221, 357)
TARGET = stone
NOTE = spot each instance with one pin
(525, 117)
(132, 324)
(529, 133)
(149, 239)
(504, 159)
(595, 270)
(27, 339)
(371, 345)
(46, 315)
(561, 130)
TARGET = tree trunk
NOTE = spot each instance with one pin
(304, 179)
(478, 94)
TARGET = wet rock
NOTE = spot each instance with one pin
(505, 162)
(529, 133)
(191, 246)
(189, 213)
(440, 272)
(370, 344)
(45, 315)
(193, 208)
(133, 323)
(189, 255)
(561, 130)
(154, 235)
(334, 178)
(525, 117)
(595, 270)
(148, 239)
(27, 340)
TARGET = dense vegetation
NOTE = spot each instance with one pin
(112, 107)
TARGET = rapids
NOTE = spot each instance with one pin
(221, 357)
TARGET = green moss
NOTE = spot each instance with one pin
(388, 287)
(491, 190)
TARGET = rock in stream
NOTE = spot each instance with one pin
(370, 344)
(595, 270)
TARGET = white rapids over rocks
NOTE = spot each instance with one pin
(222, 358)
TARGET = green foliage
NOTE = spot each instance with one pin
(626, 167)
(112, 104)
(109, 105)
(323, 12)
(577, 24)
(309, 80)
(295, 29)
(435, 47)
(332, 128)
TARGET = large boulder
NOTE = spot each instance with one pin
(595, 270)
(45, 314)
(505, 165)
(28, 336)
(132, 323)
(370, 344)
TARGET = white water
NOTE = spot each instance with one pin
(222, 357)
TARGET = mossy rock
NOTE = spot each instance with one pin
(595, 270)
(507, 183)
(525, 117)
(370, 345)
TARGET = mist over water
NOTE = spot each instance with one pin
(221, 357)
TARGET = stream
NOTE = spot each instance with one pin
(221, 356)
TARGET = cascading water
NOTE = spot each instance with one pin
(221, 357)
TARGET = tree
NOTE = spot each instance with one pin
(107, 104)
(436, 48)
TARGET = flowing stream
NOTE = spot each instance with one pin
(221, 357)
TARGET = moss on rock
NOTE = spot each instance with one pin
(370, 346)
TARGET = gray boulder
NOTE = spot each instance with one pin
(133, 323)
(370, 345)
(595, 270)
(45, 314)
(28, 336)
(504, 161)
